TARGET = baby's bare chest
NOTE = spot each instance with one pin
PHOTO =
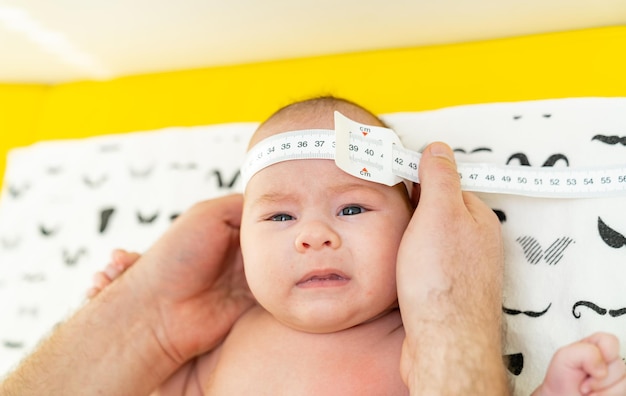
(292, 363)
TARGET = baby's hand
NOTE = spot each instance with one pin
(607, 376)
(121, 260)
(589, 367)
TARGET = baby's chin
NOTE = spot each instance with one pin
(317, 328)
(328, 325)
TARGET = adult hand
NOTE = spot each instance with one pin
(193, 279)
(177, 301)
(449, 274)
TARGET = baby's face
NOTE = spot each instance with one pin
(320, 245)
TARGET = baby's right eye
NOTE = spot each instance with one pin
(281, 217)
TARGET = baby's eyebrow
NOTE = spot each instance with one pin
(274, 197)
(348, 187)
(285, 197)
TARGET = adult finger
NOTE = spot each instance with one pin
(439, 180)
(228, 209)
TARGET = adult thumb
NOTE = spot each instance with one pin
(440, 183)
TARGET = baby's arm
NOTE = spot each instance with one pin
(591, 366)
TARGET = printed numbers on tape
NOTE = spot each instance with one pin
(379, 159)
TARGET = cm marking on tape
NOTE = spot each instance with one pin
(375, 153)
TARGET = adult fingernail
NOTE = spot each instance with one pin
(439, 149)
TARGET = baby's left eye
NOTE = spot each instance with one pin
(351, 210)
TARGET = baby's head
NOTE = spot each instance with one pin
(320, 245)
(315, 113)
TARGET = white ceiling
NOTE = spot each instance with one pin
(53, 41)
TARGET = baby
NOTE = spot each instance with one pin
(319, 249)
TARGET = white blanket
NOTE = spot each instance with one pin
(66, 204)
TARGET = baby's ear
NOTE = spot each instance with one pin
(415, 194)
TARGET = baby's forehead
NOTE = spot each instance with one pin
(301, 176)
(305, 171)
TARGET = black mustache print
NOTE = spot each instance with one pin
(476, 150)
(521, 157)
(140, 173)
(28, 311)
(519, 117)
(34, 277)
(220, 180)
(95, 183)
(10, 243)
(514, 363)
(611, 237)
(146, 220)
(11, 344)
(15, 192)
(46, 231)
(109, 148)
(183, 167)
(531, 314)
(501, 215)
(552, 254)
(105, 216)
(612, 140)
(54, 170)
(554, 158)
(597, 309)
(173, 216)
(551, 161)
(71, 260)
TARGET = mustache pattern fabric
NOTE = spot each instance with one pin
(551, 255)
(611, 139)
(597, 309)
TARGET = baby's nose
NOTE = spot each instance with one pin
(317, 235)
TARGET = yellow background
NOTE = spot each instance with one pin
(588, 62)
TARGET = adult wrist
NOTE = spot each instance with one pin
(107, 347)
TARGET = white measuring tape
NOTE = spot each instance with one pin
(375, 153)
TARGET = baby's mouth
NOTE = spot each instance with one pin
(320, 279)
